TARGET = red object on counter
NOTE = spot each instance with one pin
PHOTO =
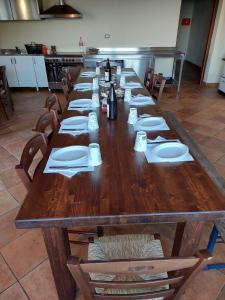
(44, 50)
(104, 106)
(186, 22)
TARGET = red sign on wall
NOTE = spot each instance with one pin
(186, 22)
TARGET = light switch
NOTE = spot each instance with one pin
(107, 36)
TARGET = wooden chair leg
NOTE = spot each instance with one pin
(100, 231)
(211, 245)
(212, 240)
(88, 235)
(3, 110)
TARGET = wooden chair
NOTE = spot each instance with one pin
(67, 74)
(52, 103)
(158, 83)
(71, 73)
(48, 119)
(217, 236)
(133, 278)
(148, 80)
(65, 88)
(36, 143)
(3, 110)
(5, 96)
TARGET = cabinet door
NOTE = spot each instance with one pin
(40, 71)
(25, 71)
(8, 62)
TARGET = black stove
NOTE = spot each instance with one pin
(55, 64)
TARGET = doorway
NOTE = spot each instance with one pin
(197, 19)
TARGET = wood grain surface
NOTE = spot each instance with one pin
(125, 188)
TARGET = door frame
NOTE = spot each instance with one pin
(209, 39)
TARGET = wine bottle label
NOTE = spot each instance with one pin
(106, 76)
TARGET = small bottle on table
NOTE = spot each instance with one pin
(108, 72)
(112, 103)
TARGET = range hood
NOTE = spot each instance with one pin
(62, 10)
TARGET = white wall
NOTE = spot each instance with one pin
(183, 35)
(199, 31)
(215, 64)
(130, 22)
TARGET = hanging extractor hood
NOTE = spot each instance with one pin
(60, 10)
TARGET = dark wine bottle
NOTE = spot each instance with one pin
(108, 73)
(112, 103)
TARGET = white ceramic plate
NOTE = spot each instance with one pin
(132, 85)
(151, 123)
(88, 74)
(128, 73)
(170, 151)
(71, 155)
(79, 122)
(81, 103)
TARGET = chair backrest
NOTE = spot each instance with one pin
(36, 143)
(65, 87)
(48, 119)
(67, 74)
(148, 80)
(52, 102)
(158, 82)
(170, 285)
(71, 73)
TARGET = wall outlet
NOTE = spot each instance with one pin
(107, 36)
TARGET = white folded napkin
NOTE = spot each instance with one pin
(163, 127)
(81, 167)
(74, 132)
(90, 74)
(81, 109)
(128, 73)
(78, 106)
(83, 86)
(132, 85)
(154, 159)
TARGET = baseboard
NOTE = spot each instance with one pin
(210, 84)
(191, 63)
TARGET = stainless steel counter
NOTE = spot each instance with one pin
(142, 51)
(139, 59)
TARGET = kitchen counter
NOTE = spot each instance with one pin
(72, 54)
(143, 51)
(19, 54)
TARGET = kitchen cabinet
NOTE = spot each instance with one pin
(40, 71)
(25, 71)
(8, 62)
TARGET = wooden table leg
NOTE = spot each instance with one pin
(187, 238)
(58, 248)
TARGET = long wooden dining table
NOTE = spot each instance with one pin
(124, 190)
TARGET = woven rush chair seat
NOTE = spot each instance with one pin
(220, 225)
(130, 246)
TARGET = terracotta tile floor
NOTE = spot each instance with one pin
(24, 267)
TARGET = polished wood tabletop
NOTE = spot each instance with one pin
(125, 188)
